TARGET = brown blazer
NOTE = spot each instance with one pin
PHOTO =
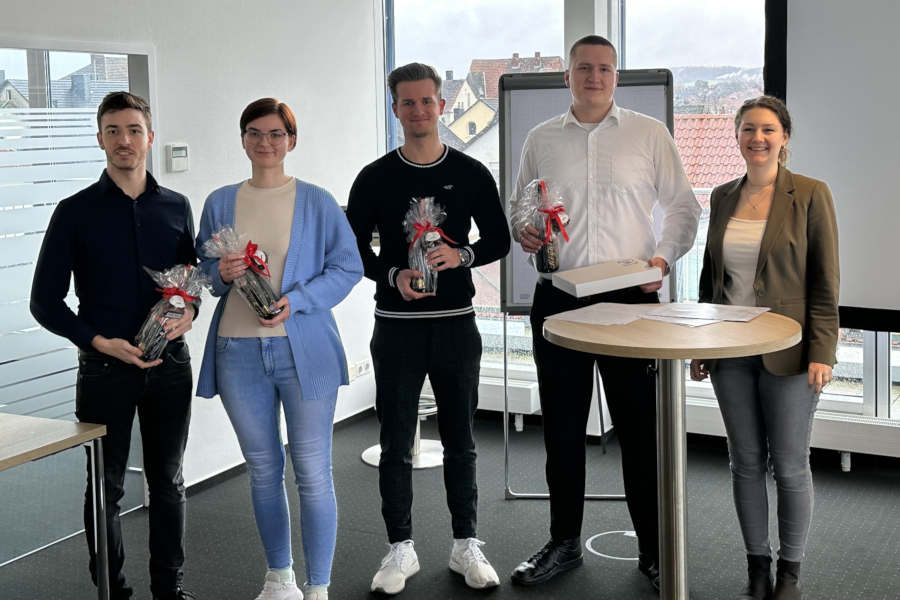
(797, 272)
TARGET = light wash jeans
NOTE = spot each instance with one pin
(768, 417)
(257, 376)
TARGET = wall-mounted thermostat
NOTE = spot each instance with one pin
(176, 157)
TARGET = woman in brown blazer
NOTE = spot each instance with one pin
(772, 242)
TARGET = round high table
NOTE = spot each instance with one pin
(669, 344)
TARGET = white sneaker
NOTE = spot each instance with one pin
(274, 589)
(467, 559)
(316, 594)
(397, 566)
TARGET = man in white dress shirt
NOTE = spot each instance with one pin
(611, 165)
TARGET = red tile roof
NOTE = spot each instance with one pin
(493, 68)
(708, 149)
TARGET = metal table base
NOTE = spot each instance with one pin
(670, 472)
(98, 494)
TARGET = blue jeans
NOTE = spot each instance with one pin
(255, 376)
(768, 417)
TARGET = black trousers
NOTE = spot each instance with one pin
(566, 380)
(403, 352)
(109, 392)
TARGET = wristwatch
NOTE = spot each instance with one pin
(465, 257)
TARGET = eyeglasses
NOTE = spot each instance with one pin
(274, 137)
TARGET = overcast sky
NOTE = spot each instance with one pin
(448, 35)
(61, 63)
(659, 33)
(694, 32)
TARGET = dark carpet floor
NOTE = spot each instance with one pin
(853, 548)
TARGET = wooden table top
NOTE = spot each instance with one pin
(23, 439)
(655, 339)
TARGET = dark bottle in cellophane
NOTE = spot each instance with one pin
(178, 285)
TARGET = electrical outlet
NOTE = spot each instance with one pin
(359, 369)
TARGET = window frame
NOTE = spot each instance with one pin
(607, 17)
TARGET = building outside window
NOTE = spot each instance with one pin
(713, 74)
(462, 42)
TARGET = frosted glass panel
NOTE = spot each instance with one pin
(48, 151)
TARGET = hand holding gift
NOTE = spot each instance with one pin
(243, 264)
(539, 217)
(422, 225)
(170, 316)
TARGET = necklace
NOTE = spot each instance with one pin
(755, 192)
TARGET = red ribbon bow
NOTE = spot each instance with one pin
(553, 215)
(421, 229)
(255, 262)
(176, 291)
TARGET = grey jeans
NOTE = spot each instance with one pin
(768, 417)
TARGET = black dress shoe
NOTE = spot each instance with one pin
(649, 567)
(554, 558)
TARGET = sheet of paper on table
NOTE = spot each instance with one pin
(602, 313)
(681, 320)
(714, 312)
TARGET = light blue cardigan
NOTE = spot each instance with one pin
(321, 267)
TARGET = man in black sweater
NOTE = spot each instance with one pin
(103, 235)
(417, 333)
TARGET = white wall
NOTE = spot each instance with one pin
(209, 59)
(842, 89)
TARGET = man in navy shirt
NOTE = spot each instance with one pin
(103, 235)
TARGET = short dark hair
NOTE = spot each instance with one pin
(413, 72)
(114, 101)
(592, 40)
(776, 106)
(269, 106)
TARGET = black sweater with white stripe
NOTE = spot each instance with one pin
(379, 199)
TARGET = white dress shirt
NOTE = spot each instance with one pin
(610, 176)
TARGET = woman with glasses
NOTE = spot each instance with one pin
(772, 242)
(294, 360)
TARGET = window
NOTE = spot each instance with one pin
(712, 77)
(48, 151)
(462, 42)
(894, 387)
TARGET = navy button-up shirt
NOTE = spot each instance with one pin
(103, 237)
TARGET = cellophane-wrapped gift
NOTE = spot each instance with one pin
(422, 225)
(541, 205)
(179, 285)
(253, 285)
